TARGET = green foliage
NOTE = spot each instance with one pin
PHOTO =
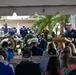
(37, 23)
(50, 22)
(36, 16)
(46, 33)
(27, 37)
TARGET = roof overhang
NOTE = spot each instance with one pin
(43, 7)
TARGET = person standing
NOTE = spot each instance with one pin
(70, 33)
(23, 31)
(43, 42)
(35, 50)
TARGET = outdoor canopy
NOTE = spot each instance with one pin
(42, 7)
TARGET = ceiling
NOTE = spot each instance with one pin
(43, 7)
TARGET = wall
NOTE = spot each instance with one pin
(18, 23)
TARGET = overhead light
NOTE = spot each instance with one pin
(14, 14)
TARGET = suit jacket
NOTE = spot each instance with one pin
(27, 68)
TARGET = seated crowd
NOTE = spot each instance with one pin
(54, 60)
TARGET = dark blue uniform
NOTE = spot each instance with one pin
(72, 35)
(23, 32)
(43, 44)
(11, 32)
(36, 51)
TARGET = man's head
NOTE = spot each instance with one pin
(5, 44)
(69, 26)
(27, 53)
(71, 63)
(42, 35)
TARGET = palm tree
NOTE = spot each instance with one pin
(50, 22)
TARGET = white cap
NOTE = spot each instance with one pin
(69, 24)
(34, 40)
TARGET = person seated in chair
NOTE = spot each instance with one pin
(26, 66)
(71, 63)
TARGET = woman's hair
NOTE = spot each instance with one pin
(66, 54)
(52, 48)
(67, 49)
(72, 48)
(53, 66)
(3, 53)
(1, 58)
(52, 51)
(51, 45)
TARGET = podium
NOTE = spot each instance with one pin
(62, 41)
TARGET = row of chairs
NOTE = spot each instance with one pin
(18, 59)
